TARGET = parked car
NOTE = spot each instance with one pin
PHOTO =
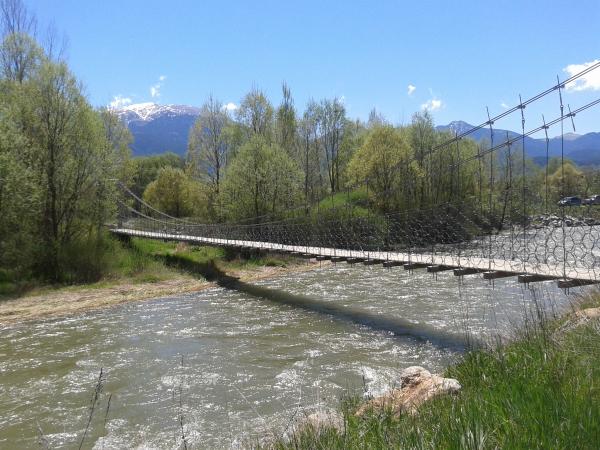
(593, 200)
(570, 201)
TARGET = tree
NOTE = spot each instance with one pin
(286, 123)
(208, 145)
(119, 139)
(380, 161)
(332, 120)
(262, 179)
(256, 114)
(145, 169)
(174, 193)
(309, 153)
(565, 181)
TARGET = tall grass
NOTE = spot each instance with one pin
(541, 390)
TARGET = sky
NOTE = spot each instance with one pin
(453, 58)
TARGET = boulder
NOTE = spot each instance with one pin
(417, 385)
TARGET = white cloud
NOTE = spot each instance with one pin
(589, 81)
(432, 105)
(119, 101)
(230, 106)
(155, 88)
(411, 89)
(504, 105)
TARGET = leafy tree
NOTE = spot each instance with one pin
(565, 181)
(380, 162)
(174, 193)
(145, 169)
(262, 179)
(256, 114)
(286, 123)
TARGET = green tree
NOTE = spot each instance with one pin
(256, 115)
(380, 162)
(174, 193)
(262, 179)
(286, 123)
(145, 169)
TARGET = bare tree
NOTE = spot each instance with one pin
(208, 146)
(332, 121)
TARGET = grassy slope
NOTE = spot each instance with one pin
(540, 391)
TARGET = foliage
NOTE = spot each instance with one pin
(174, 193)
(145, 169)
(262, 179)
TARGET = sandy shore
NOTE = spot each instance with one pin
(72, 301)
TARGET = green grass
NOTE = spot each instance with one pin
(540, 391)
(146, 261)
(354, 202)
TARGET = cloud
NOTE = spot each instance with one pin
(155, 88)
(590, 81)
(432, 105)
(411, 89)
(119, 101)
(504, 105)
(230, 107)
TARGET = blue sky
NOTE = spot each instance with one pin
(459, 56)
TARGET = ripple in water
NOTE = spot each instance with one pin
(250, 359)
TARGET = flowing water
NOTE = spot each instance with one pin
(236, 366)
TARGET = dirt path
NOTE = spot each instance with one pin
(71, 301)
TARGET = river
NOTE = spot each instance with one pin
(234, 366)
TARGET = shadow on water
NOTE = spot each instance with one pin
(397, 326)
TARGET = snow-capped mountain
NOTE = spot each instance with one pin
(158, 128)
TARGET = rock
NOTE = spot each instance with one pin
(417, 385)
(319, 421)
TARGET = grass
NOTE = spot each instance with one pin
(146, 261)
(542, 390)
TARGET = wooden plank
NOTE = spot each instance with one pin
(495, 274)
(412, 266)
(436, 269)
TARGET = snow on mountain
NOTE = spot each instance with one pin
(158, 128)
(151, 111)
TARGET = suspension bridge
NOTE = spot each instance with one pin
(503, 229)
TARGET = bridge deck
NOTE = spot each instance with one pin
(482, 264)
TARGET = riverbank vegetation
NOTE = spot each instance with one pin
(541, 390)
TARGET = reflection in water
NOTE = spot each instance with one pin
(248, 364)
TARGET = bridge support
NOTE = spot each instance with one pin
(412, 266)
(531, 278)
(323, 258)
(495, 274)
(337, 259)
(392, 263)
(436, 269)
(462, 271)
(355, 260)
(567, 283)
(372, 262)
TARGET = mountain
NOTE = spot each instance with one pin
(581, 149)
(158, 128)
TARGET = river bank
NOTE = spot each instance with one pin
(538, 391)
(174, 270)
